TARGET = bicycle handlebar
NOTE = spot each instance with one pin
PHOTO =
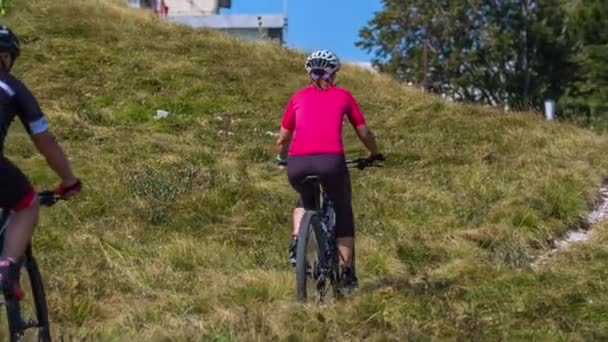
(45, 198)
(48, 198)
(362, 163)
(359, 163)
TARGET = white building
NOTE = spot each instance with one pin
(196, 7)
(206, 13)
(252, 27)
(186, 7)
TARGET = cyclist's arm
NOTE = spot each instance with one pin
(288, 125)
(357, 120)
(35, 123)
(55, 158)
(283, 142)
(369, 140)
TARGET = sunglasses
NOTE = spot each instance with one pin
(317, 74)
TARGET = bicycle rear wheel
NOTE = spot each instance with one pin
(28, 316)
(308, 256)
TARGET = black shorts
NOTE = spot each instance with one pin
(332, 170)
(16, 192)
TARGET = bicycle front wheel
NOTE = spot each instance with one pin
(41, 324)
(309, 254)
(28, 316)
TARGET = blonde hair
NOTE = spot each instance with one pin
(322, 83)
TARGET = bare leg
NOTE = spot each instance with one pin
(345, 247)
(19, 231)
(298, 213)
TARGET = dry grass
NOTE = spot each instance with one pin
(183, 227)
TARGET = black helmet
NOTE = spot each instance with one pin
(9, 41)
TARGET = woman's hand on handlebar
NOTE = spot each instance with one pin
(68, 189)
(361, 163)
(378, 157)
(281, 161)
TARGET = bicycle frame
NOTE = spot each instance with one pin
(324, 208)
(5, 216)
(328, 222)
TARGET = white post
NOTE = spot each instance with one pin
(135, 3)
(549, 110)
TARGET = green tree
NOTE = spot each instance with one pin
(4, 6)
(586, 96)
(420, 40)
(503, 52)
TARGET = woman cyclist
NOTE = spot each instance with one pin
(313, 118)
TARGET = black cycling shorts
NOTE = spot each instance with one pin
(332, 170)
(16, 192)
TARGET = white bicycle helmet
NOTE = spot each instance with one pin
(323, 60)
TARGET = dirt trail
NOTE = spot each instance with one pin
(579, 235)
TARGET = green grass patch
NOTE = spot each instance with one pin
(182, 230)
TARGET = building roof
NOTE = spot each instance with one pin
(230, 21)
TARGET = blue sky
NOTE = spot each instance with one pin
(340, 21)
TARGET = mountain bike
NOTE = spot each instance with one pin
(317, 259)
(23, 313)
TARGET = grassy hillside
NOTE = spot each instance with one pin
(184, 223)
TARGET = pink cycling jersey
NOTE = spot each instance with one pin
(315, 115)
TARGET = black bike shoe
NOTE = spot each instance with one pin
(348, 281)
(293, 246)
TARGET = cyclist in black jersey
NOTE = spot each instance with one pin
(16, 192)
